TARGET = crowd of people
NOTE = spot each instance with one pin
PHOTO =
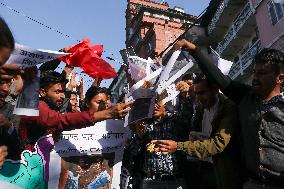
(221, 133)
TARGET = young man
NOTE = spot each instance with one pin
(216, 120)
(261, 111)
(159, 170)
(52, 88)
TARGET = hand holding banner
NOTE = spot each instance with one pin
(26, 56)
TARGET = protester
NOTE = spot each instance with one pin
(97, 98)
(216, 121)
(186, 104)
(150, 169)
(73, 105)
(52, 89)
(8, 122)
(80, 92)
(7, 44)
(194, 173)
(88, 167)
(261, 108)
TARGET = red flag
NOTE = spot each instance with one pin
(88, 57)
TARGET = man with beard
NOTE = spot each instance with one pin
(51, 121)
(261, 110)
(212, 139)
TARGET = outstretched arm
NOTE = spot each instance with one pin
(208, 147)
(68, 121)
(234, 90)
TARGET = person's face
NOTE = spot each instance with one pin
(4, 55)
(264, 79)
(205, 94)
(74, 102)
(99, 102)
(159, 111)
(55, 94)
(4, 89)
(108, 102)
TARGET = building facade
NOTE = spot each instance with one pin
(270, 22)
(241, 28)
(150, 28)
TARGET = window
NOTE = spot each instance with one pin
(276, 11)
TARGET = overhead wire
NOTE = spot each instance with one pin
(51, 28)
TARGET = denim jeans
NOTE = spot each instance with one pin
(164, 184)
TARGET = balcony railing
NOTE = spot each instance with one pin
(217, 15)
(236, 70)
(245, 60)
(234, 29)
(242, 18)
(227, 39)
(250, 54)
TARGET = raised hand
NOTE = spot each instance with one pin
(80, 89)
(68, 69)
(97, 82)
(72, 84)
(183, 86)
(184, 44)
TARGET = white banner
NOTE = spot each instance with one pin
(104, 137)
(27, 56)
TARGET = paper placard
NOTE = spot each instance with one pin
(28, 99)
(27, 56)
(104, 137)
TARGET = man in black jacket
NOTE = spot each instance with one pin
(261, 109)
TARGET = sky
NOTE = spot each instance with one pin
(102, 21)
